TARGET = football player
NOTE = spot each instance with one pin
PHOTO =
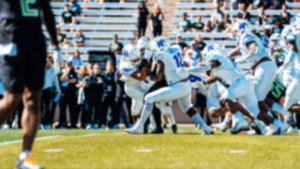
(168, 60)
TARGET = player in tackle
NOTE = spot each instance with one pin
(23, 55)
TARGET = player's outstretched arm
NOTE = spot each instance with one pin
(49, 20)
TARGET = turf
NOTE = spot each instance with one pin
(187, 149)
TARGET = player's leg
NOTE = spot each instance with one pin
(8, 105)
(264, 77)
(30, 117)
(191, 112)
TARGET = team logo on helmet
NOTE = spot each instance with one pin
(161, 43)
(243, 25)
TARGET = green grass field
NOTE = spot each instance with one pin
(92, 149)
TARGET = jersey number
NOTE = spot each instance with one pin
(193, 78)
(178, 60)
(276, 89)
(26, 10)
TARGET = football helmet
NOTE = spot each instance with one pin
(131, 54)
(241, 28)
(211, 49)
(160, 44)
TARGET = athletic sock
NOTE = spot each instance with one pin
(197, 118)
(147, 109)
(270, 114)
(280, 109)
(238, 116)
(170, 116)
(24, 154)
(278, 123)
(227, 119)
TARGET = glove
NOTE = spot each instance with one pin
(57, 58)
(182, 70)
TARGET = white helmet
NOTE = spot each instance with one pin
(160, 44)
(295, 21)
(241, 27)
(211, 49)
(131, 54)
(144, 42)
(275, 37)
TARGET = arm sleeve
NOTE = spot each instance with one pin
(199, 69)
(49, 20)
(288, 61)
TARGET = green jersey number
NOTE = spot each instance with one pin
(26, 10)
(276, 89)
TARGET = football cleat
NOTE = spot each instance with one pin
(88, 126)
(174, 128)
(95, 126)
(239, 126)
(284, 129)
(207, 130)
(259, 128)
(138, 129)
(28, 163)
(157, 131)
(220, 126)
(47, 127)
(272, 130)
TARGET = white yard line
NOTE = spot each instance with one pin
(56, 136)
(238, 151)
(19, 141)
(144, 150)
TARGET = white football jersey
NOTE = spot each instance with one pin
(227, 70)
(260, 52)
(215, 89)
(127, 70)
(297, 59)
(172, 60)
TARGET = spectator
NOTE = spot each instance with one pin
(156, 19)
(62, 39)
(79, 39)
(109, 94)
(220, 3)
(285, 16)
(68, 79)
(81, 100)
(227, 22)
(75, 59)
(217, 16)
(262, 19)
(50, 83)
(94, 93)
(142, 14)
(277, 26)
(121, 97)
(194, 54)
(90, 68)
(246, 3)
(243, 14)
(184, 24)
(67, 16)
(207, 26)
(266, 4)
(179, 42)
(116, 46)
(265, 38)
(75, 7)
(277, 4)
(200, 45)
(234, 5)
(199, 25)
